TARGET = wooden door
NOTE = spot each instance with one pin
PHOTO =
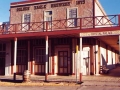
(63, 63)
(39, 55)
(21, 61)
(2, 63)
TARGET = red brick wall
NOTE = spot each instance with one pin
(84, 10)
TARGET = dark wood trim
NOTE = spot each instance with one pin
(12, 55)
(93, 13)
(52, 54)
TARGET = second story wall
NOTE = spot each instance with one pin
(39, 11)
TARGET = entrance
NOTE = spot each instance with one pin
(2, 63)
(63, 62)
(21, 60)
(39, 55)
(86, 61)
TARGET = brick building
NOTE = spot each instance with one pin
(45, 37)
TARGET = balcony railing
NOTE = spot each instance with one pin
(65, 24)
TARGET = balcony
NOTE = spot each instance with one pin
(84, 23)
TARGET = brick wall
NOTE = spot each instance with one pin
(84, 10)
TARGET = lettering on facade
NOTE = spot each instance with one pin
(80, 2)
(52, 5)
(23, 8)
(39, 7)
(105, 33)
(60, 4)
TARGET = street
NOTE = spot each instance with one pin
(61, 88)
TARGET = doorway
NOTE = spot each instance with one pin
(39, 55)
(63, 62)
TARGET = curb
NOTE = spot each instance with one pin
(37, 84)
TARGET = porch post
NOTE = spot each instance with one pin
(96, 58)
(46, 62)
(119, 49)
(81, 59)
(29, 66)
(15, 57)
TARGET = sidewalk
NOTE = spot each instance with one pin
(113, 79)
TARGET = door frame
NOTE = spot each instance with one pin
(62, 48)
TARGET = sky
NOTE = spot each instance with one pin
(111, 7)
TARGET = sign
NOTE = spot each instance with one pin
(43, 6)
(80, 2)
(105, 33)
(60, 4)
(23, 8)
(39, 7)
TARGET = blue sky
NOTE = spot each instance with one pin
(110, 6)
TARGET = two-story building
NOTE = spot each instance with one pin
(45, 37)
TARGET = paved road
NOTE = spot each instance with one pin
(62, 88)
(40, 88)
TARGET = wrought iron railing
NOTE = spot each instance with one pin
(64, 24)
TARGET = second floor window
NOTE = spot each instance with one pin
(26, 20)
(73, 13)
(27, 17)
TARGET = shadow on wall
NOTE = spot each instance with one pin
(109, 66)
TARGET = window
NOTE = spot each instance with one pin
(40, 55)
(48, 17)
(72, 17)
(73, 13)
(26, 22)
(21, 56)
(26, 17)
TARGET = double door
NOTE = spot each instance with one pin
(63, 63)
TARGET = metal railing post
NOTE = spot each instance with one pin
(46, 26)
(80, 23)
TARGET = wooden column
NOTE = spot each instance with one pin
(29, 66)
(81, 59)
(73, 56)
(96, 59)
(119, 47)
(46, 62)
(15, 57)
(77, 64)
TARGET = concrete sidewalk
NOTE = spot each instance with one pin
(113, 79)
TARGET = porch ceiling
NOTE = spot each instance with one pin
(111, 41)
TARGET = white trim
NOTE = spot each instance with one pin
(45, 15)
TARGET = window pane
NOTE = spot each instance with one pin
(26, 17)
(73, 13)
